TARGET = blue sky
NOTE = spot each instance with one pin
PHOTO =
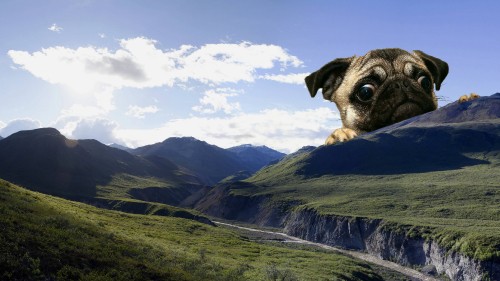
(227, 72)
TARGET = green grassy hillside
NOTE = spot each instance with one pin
(44, 237)
(460, 208)
(88, 171)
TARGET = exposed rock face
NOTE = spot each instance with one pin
(371, 236)
(219, 202)
(363, 234)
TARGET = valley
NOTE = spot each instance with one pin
(423, 193)
(267, 234)
(75, 241)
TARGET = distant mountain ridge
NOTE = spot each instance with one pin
(45, 160)
(119, 146)
(210, 162)
(256, 157)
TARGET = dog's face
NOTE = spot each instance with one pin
(380, 88)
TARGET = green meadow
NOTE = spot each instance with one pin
(44, 237)
(458, 208)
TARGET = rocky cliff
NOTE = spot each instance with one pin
(374, 237)
(259, 209)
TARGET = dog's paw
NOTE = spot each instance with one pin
(341, 135)
(473, 96)
(470, 97)
(463, 98)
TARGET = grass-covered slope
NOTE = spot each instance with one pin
(48, 238)
(460, 208)
(91, 172)
(437, 174)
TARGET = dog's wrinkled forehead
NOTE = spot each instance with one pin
(387, 62)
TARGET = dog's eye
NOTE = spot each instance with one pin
(366, 92)
(425, 82)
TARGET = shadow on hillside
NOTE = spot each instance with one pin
(409, 150)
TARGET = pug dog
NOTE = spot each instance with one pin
(381, 88)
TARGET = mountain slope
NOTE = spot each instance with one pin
(49, 238)
(428, 185)
(455, 136)
(45, 160)
(209, 162)
(115, 145)
(256, 157)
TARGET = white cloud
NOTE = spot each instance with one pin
(139, 63)
(101, 105)
(17, 125)
(55, 28)
(2, 124)
(88, 128)
(140, 112)
(219, 63)
(102, 35)
(216, 100)
(82, 111)
(293, 78)
(99, 129)
(66, 125)
(283, 130)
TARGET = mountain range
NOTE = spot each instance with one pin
(119, 146)
(208, 162)
(256, 157)
(45, 160)
(167, 172)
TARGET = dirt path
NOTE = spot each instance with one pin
(359, 255)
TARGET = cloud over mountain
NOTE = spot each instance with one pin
(214, 70)
(280, 129)
(18, 125)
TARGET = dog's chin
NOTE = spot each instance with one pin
(405, 111)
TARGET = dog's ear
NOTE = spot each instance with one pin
(317, 80)
(437, 67)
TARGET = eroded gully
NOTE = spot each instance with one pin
(358, 255)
